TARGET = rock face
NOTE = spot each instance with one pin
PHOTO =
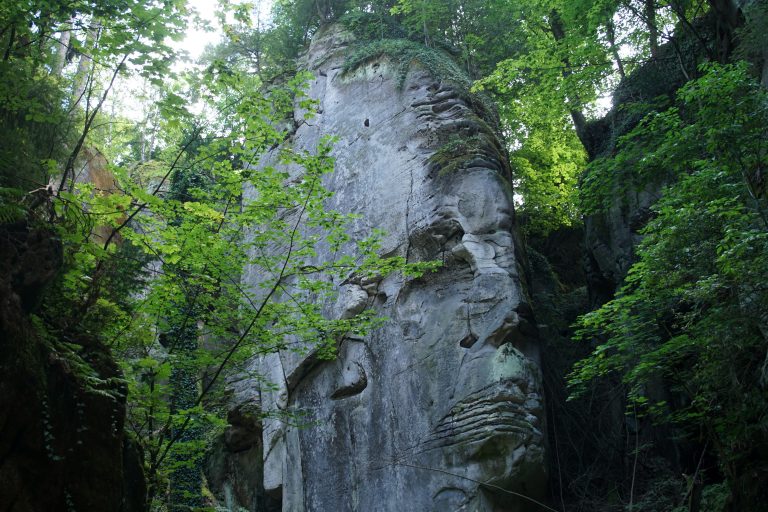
(612, 234)
(62, 443)
(446, 396)
(234, 466)
(611, 238)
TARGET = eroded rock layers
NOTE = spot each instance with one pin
(441, 408)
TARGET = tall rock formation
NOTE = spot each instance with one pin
(441, 408)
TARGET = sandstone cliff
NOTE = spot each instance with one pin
(441, 408)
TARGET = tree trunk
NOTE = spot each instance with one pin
(579, 120)
(728, 18)
(610, 30)
(653, 29)
(62, 49)
(83, 75)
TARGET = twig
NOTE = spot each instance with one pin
(141, 207)
(695, 473)
(70, 165)
(235, 346)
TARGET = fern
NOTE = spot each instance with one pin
(11, 209)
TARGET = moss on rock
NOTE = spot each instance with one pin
(404, 53)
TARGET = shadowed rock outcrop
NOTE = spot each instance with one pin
(62, 404)
(440, 408)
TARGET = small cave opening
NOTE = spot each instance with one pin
(469, 340)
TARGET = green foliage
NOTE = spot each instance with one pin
(553, 72)
(368, 26)
(274, 46)
(11, 209)
(545, 172)
(47, 108)
(692, 311)
(30, 120)
(423, 17)
(479, 33)
(715, 497)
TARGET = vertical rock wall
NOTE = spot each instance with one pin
(63, 445)
(441, 408)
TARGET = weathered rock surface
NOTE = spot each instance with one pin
(611, 238)
(441, 408)
(234, 465)
(62, 443)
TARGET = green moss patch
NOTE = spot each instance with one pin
(404, 53)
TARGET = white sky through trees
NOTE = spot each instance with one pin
(131, 93)
(197, 38)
